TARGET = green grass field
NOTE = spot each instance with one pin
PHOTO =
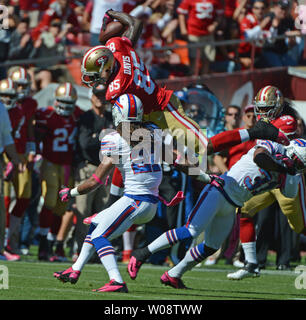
(33, 280)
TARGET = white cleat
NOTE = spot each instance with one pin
(250, 270)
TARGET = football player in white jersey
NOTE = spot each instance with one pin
(138, 204)
(266, 166)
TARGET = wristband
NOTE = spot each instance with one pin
(97, 179)
(74, 192)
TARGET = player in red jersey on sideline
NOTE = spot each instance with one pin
(56, 129)
(21, 113)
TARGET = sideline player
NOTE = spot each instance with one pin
(55, 129)
(139, 202)
(283, 116)
(265, 167)
(117, 65)
(21, 117)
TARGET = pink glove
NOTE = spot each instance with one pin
(282, 138)
(106, 20)
(9, 172)
(64, 194)
(176, 200)
(87, 220)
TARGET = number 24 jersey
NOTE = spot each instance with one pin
(58, 135)
(132, 76)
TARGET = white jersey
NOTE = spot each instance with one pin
(245, 179)
(140, 170)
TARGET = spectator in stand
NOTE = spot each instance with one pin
(21, 45)
(5, 39)
(242, 9)
(50, 43)
(6, 145)
(253, 27)
(276, 53)
(98, 11)
(58, 10)
(90, 125)
(86, 17)
(33, 9)
(198, 21)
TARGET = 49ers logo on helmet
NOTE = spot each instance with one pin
(101, 60)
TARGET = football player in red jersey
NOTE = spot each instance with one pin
(55, 128)
(23, 133)
(270, 104)
(118, 66)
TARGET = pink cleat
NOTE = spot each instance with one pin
(68, 275)
(133, 267)
(176, 283)
(113, 286)
(87, 220)
(11, 256)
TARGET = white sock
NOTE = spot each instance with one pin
(184, 265)
(86, 252)
(162, 242)
(110, 264)
(249, 249)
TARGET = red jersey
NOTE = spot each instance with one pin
(59, 135)
(236, 152)
(132, 76)
(286, 123)
(20, 117)
(201, 14)
(249, 22)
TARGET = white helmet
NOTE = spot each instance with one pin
(297, 152)
(127, 108)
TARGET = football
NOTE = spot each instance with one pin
(113, 29)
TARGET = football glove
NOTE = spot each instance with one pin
(216, 181)
(65, 194)
(106, 20)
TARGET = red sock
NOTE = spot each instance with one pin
(247, 230)
(20, 207)
(225, 140)
(7, 202)
(45, 218)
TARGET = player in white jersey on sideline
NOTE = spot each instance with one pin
(266, 166)
(138, 204)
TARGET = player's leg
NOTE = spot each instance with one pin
(294, 209)
(248, 234)
(203, 211)
(215, 234)
(23, 186)
(50, 175)
(186, 131)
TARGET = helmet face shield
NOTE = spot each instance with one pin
(8, 93)
(65, 99)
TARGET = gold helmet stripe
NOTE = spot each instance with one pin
(90, 51)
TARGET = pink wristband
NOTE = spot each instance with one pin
(97, 179)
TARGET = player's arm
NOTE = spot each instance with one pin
(261, 130)
(263, 158)
(134, 26)
(92, 182)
